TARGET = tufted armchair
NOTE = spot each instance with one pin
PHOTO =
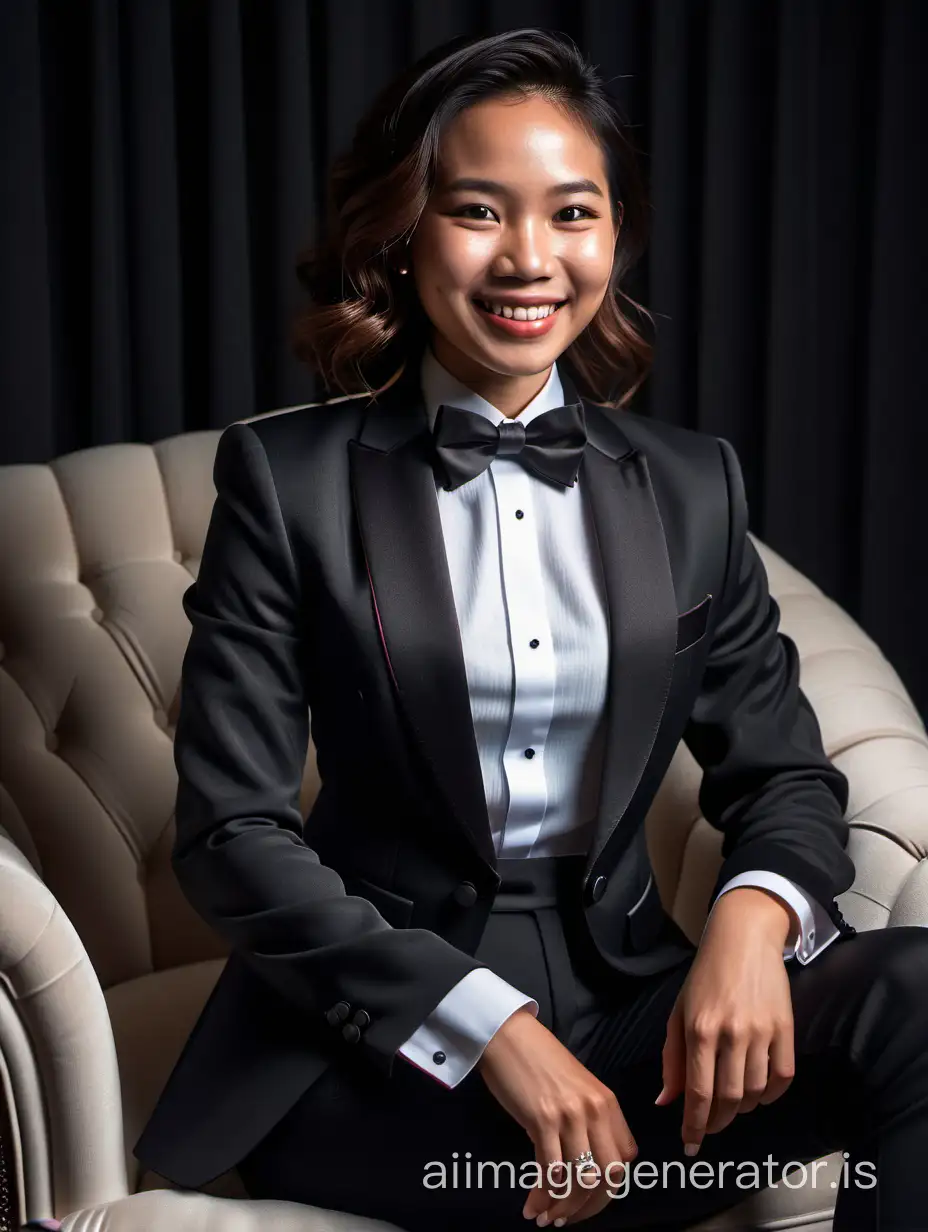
(104, 967)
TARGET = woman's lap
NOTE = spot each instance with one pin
(380, 1147)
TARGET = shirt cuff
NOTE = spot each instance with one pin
(816, 928)
(462, 1024)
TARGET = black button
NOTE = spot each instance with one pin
(519, 513)
(529, 753)
(338, 1013)
(534, 643)
(598, 889)
(351, 1033)
(439, 1058)
(361, 1019)
(465, 895)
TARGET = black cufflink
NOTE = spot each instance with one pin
(439, 1058)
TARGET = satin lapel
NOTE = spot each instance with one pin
(396, 505)
(642, 610)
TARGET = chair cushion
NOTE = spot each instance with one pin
(152, 1016)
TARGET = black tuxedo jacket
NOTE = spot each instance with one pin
(324, 587)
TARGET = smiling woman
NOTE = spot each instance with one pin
(504, 604)
(498, 199)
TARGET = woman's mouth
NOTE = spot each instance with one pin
(517, 321)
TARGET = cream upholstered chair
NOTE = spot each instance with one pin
(104, 966)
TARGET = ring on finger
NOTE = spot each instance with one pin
(585, 1161)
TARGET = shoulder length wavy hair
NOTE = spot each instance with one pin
(364, 320)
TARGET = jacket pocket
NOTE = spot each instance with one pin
(394, 908)
(691, 625)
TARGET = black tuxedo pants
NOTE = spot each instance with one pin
(422, 1156)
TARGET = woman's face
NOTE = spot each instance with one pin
(519, 215)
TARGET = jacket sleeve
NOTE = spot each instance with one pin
(240, 750)
(767, 784)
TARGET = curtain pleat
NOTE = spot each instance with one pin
(164, 161)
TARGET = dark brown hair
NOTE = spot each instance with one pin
(364, 319)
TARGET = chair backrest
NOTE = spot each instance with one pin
(96, 550)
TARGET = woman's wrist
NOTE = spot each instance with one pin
(756, 908)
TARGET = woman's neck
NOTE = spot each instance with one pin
(509, 394)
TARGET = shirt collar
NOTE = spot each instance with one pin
(438, 386)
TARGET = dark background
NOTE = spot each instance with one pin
(164, 160)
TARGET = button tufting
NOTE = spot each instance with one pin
(177, 555)
(161, 719)
(97, 614)
(51, 741)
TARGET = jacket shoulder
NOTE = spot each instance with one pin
(312, 435)
(310, 423)
(666, 444)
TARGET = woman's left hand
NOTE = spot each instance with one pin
(729, 1040)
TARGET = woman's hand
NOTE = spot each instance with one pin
(730, 1034)
(565, 1111)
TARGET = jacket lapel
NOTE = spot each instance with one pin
(642, 612)
(396, 505)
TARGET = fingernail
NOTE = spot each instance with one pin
(691, 1148)
(662, 1094)
(542, 1219)
(560, 1221)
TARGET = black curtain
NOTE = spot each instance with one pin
(163, 161)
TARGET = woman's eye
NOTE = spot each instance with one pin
(583, 210)
(475, 207)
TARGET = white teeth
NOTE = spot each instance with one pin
(520, 314)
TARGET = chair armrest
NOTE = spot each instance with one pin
(57, 1057)
(891, 885)
(888, 842)
(157, 1209)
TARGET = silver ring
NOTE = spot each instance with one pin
(585, 1161)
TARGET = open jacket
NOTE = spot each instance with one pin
(324, 591)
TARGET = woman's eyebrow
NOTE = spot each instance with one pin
(472, 184)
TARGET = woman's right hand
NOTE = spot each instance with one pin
(565, 1110)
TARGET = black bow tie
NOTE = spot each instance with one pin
(551, 445)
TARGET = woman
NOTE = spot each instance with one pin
(505, 599)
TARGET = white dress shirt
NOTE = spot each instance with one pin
(531, 606)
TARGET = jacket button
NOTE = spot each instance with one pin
(439, 1058)
(351, 1033)
(338, 1013)
(361, 1019)
(598, 889)
(465, 895)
